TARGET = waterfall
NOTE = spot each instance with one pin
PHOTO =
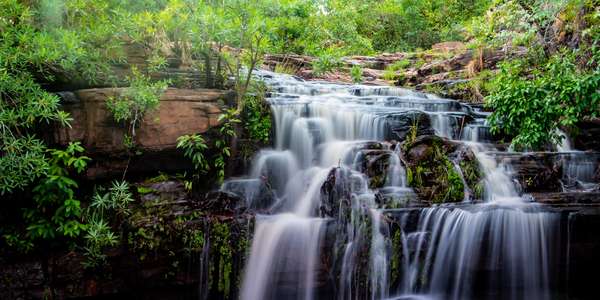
(565, 143)
(379, 258)
(319, 189)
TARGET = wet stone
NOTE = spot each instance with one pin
(399, 125)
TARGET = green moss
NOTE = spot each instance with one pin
(396, 257)
(142, 190)
(221, 239)
(434, 176)
(473, 176)
(455, 186)
(478, 190)
(193, 240)
(159, 178)
(377, 181)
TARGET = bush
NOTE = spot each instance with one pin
(104, 208)
(533, 103)
(142, 96)
(326, 63)
(356, 73)
(56, 213)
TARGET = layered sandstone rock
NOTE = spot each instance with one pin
(181, 112)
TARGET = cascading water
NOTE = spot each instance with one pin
(325, 134)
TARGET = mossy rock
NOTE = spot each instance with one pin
(375, 164)
(431, 172)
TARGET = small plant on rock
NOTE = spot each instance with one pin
(356, 73)
(142, 96)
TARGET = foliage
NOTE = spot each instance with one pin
(455, 189)
(285, 69)
(532, 104)
(228, 119)
(400, 65)
(99, 236)
(27, 56)
(326, 63)
(193, 241)
(257, 115)
(356, 73)
(142, 96)
(55, 213)
(504, 24)
(221, 239)
(555, 85)
(23, 160)
(103, 209)
(193, 147)
(406, 25)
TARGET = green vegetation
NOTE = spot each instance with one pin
(326, 63)
(433, 174)
(364, 27)
(104, 209)
(28, 57)
(221, 237)
(257, 115)
(54, 214)
(556, 95)
(396, 257)
(356, 73)
(141, 97)
(193, 147)
(472, 175)
(549, 80)
(555, 85)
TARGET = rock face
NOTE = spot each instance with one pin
(441, 170)
(336, 194)
(400, 125)
(181, 111)
(588, 135)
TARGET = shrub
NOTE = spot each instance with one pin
(104, 208)
(56, 213)
(532, 103)
(356, 73)
(326, 63)
(142, 96)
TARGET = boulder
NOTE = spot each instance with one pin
(220, 202)
(256, 193)
(375, 164)
(431, 171)
(336, 195)
(399, 125)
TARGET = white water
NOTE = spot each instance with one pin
(320, 126)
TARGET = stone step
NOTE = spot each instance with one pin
(568, 198)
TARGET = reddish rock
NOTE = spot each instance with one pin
(181, 112)
(449, 46)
